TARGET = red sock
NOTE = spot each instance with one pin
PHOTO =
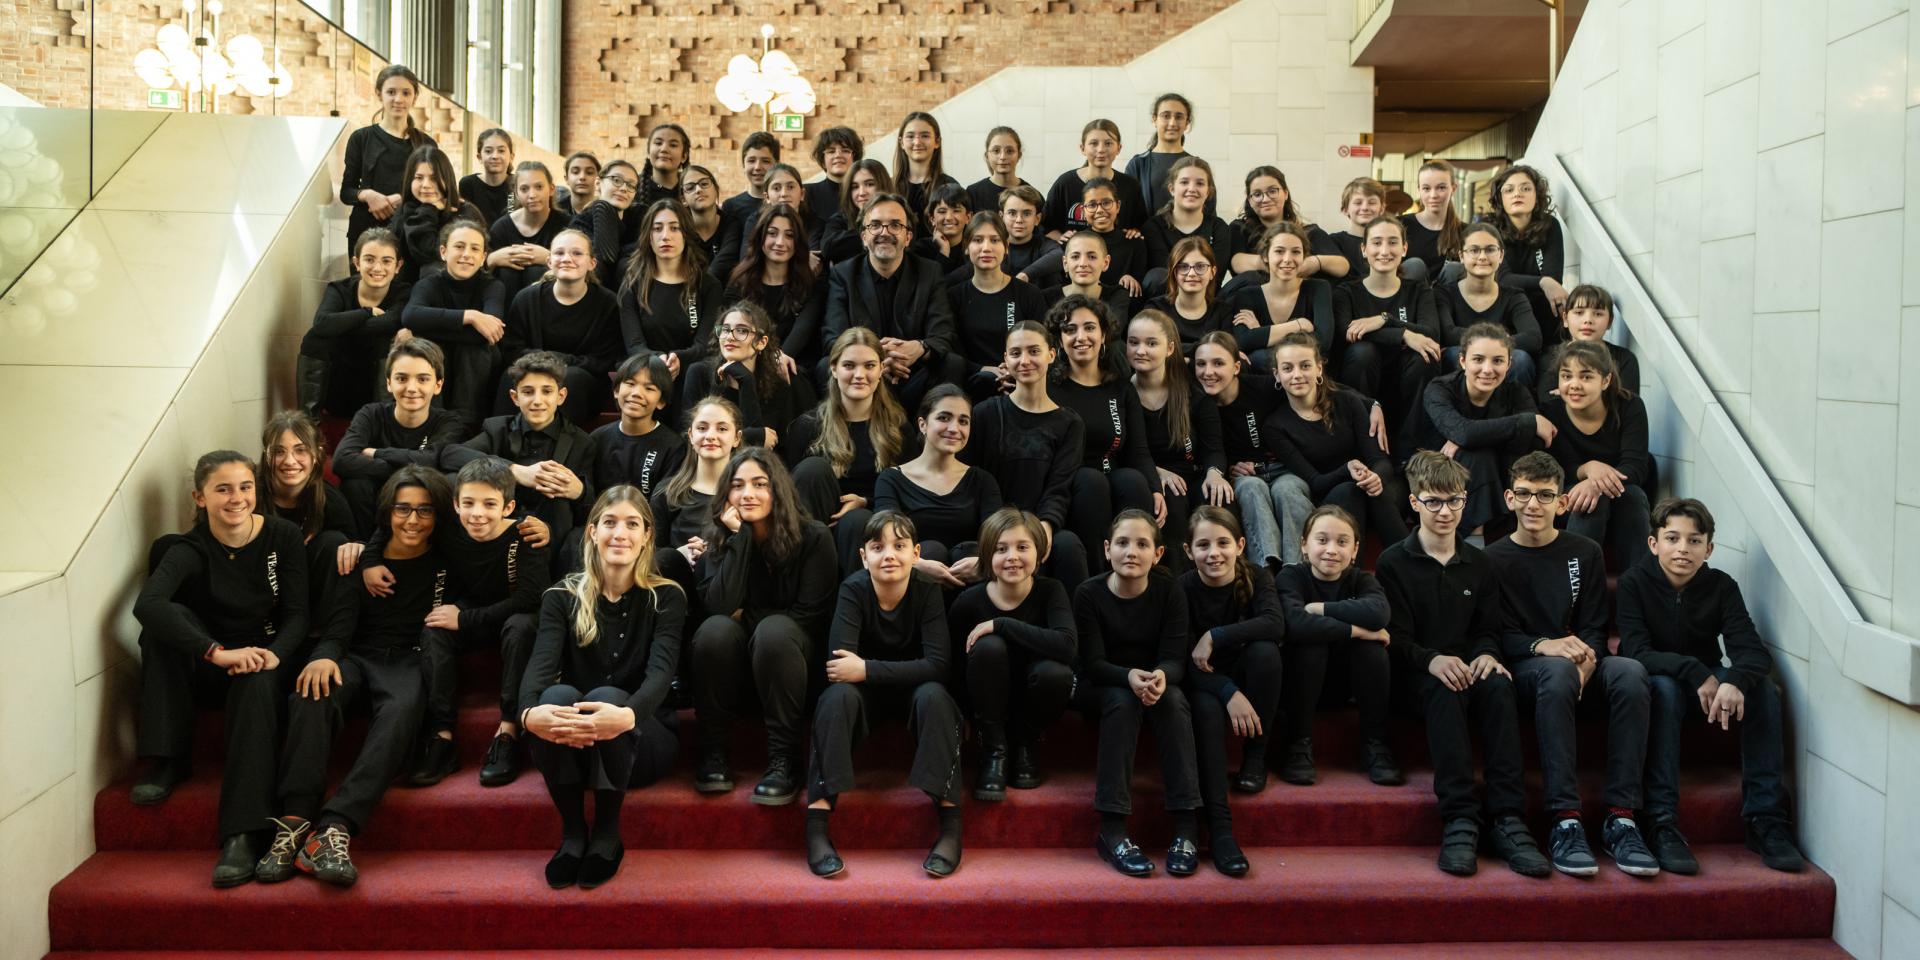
(1566, 815)
(1622, 812)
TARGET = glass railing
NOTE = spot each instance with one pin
(1363, 10)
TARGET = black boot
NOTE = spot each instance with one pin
(158, 782)
(236, 861)
(1022, 772)
(714, 771)
(992, 784)
(776, 788)
(310, 375)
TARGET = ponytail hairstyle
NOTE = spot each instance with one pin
(1538, 225)
(1002, 522)
(1487, 331)
(794, 172)
(1193, 244)
(885, 426)
(749, 274)
(1135, 513)
(1324, 391)
(883, 183)
(1177, 98)
(1290, 229)
(1225, 519)
(209, 462)
(521, 169)
(312, 497)
(1188, 162)
(416, 137)
(1597, 357)
(680, 486)
(1101, 124)
(786, 519)
(686, 156)
(1451, 235)
(1180, 384)
(902, 173)
(642, 266)
(442, 174)
(585, 586)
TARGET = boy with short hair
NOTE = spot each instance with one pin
(389, 434)
(1553, 596)
(552, 459)
(1445, 626)
(1674, 612)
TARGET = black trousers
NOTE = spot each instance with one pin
(174, 685)
(1394, 375)
(514, 639)
(841, 720)
(325, 585)
(637, 758)
(1011, 685)
(776, 659)
(1368, 679)
(1376, 515)
(363, 495)
(1255, 669)
(1550, 688)
(819, 492)
(471, 375)
(1097, 498)
(352, 364)
(392, 684)
(1120, 715)
(1450, 717)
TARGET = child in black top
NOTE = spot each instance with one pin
(835, 151)
(1335, 609)
(376, 171)
(462, 308)
(552, 459)
(1116, 472)
(573, 318)
(609, 643)
(1600, 440)
(1191, 300)
(638, 449)
(1067, 209)
(681, 502)
(946, 215)
(776, 272)
(668, 300)
(371, 654)
(769, 583)
(1017, 638)
(758, 154)
(518, 241)
(889, 655)
(429, 203)
(1445, 597)
(1271, 500)
(1030, 443)
(1083, 264)
(1676, 613)
(1287, 302)
(1182, 423)
(1234, 614)
(1186, 210)
(714, 230)
(1269, 206)
(1133, 655)
(1553, 597)
(490, 188)
(223, 605)
(1317, 435)
(1481, 416)
(1478, 298)
(1387, 327)
(581, 171)
(294, 488)
(1020, 209)
(946, 499)
(1589, 317)
(1172, 117)
(1535, 248)
(839, 448)
(1003, 154)
(840, 235)
(604, 215)
(407, 430)
(1362, 200)
(917, 170)
(352, 327)
(1434, 228)
(748, 368)
(987, 304)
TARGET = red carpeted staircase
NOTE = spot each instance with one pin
(457, 868)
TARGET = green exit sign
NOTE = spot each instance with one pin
(790, 123)
(164, 99)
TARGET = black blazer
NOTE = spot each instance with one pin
(920, 307)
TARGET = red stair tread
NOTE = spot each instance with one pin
(1035, 898)
(1603, 950)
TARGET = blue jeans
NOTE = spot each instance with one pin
(1763, 760)
(1272, 510)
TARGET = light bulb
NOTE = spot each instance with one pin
(742, 66)
(777, 64)
(245, 49)
(732, 92)
(173, 37)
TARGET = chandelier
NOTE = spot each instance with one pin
(774, 84)
(192, 59)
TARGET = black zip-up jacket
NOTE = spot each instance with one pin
(1451, 610)
(1678, 632)
(1354, 600)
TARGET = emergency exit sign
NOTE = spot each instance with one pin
(790, 123)
(163, 99)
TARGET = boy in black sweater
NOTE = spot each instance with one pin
(1446, 626)
(1674, 614)
(1553, 596)
(407, 430)
(552, 459)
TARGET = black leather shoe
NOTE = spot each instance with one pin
(776, 788)
(1022, 772)
(158, 782)
(712, 773)
(1232, 865)
(1252, 777)
(1183, 859)
(436, 761)
(831, 865)
(597, 868)
(938, 866)
(1298, 770)
(563, 870)
(992, 783)
(1381, 766)
(503, 761)
(236, 862)
(1125, 857)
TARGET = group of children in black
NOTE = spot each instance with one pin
(884, 447)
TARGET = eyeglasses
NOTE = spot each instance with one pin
(735, 331)
(1100, 204)
(1192, 269)
(1479, 251)
(878, 227)
(692, 185)
(1434, 504)
(1271, 193)
(402, 511)
(1542, 497)
(622, 183)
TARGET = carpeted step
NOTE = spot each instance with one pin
(1609, 950)
(1343, 809)
(1001, 898)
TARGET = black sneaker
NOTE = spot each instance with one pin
(1298, 770)
(1671, 851)
(1510, 841)
(1460, 848)
(503, 761)
(1571, 855)
(776, 788)
(1772, 839)
(1381, 766)
(1621, 836)
(158, 782)
(289, 834)
(325, 856)
(437, 759)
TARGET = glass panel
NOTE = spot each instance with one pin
(46, 132)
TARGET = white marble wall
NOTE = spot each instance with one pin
(161, 313)
(1758, 164)
(1270, 82)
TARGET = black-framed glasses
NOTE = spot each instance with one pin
(692, 185)
(886, 226)
(1271, 193)
(1486, 251)
(1192, 268)
(735, 331)
(622, 183)
(1107, 204)
(1434, 504)
(1542, 497)
(402, 511)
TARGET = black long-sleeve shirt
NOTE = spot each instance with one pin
(492, 201)
(1423, 244)
(370, 624)
(585, 333)
(375, 160)
(1201, 451)
(340, 313)
(437, 307)
(514, 440)
(1354, 600)
(637, 648)
(419, 226)
(394, 446)
(604, 224)
(1313, 301)
(790, 398)
(1147, 632)
(1451, 610)
(1114, 431)
(1043, 623)
(1240, 420)
(905, 646)
(1317, 454)
(1678, 632)
(1032, 455)
(681, 521)
(1505, 423)
(1549, 592)
(1217, 316)
(1621, 441)
(983, 319)
(798, 326)
(1234, 624)
(1063, 210)
(1410, 308)
(865, 467)
(496, 578)
(200, 591)
(645, 461)
(504, 233)
(336, 515)
(1161, 237)
(983, 195)
(949, 518)
(1509, 311)
(1524, 265)
(669, 325)
(740, 577)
